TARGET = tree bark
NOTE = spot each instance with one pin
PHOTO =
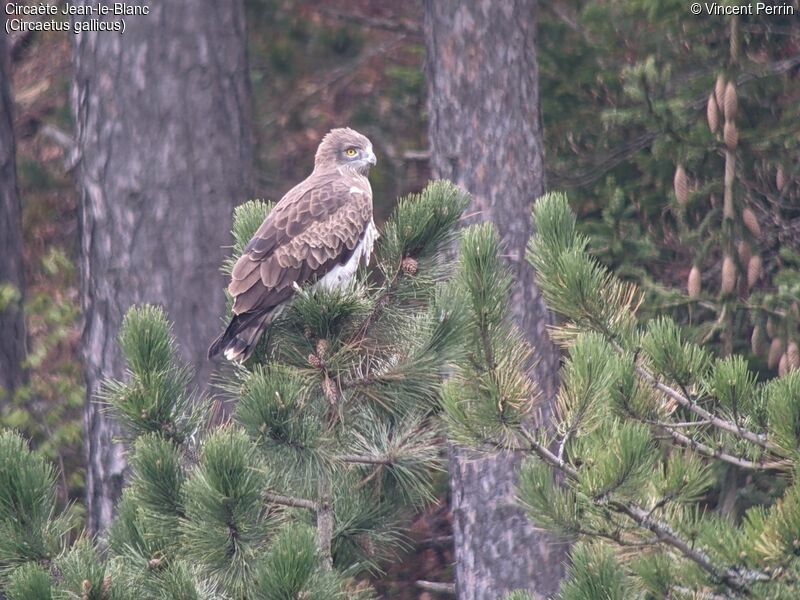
(12, 318)
(486, 136)
(163, 140)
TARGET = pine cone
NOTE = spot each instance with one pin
(719, 90)
(775, 352)
(314, 361)
(153, 563)
(329, 390)
(322, 348)
(731, 135)
(86, 589)
(693, 285)
(757, 341)
(107, 586)
(783, 365)
(754, 267)
(728, 282)
(743, 250)
(751, 222)
(780, 178)
(731, 102)
(712, 113)
(793, 356)
(307, 333)
(771, 329)
(681, 186)
(409, 266)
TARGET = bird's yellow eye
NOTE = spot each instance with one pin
(350, 152)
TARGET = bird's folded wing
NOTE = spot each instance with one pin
(316, 226)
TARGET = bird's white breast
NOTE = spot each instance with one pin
(341, 275)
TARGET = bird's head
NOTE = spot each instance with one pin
(345, 147)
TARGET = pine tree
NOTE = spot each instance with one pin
(685, 189)
(303, 491)
(644, 419)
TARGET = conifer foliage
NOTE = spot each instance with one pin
(642, 420)
(304, 488)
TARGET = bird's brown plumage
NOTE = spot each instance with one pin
(316, 226)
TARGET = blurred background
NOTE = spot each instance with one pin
(634, 129)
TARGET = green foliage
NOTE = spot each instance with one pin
(29, 582)
(594, 573)
(421, 223)
(519, 595)
(643, 421)
(155, 399)
(272, 411)
(620, 466)
(575, 286)
(559, 509)
(226, 521)
(733, 385)
(670, 354)
(84, 574)
(157, 485)
(782, 398)
(632, 110)
(617, 477)
(29, 529)
(293, 569)
(488, 394)
(332, 444)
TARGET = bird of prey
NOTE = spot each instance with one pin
(318, 233)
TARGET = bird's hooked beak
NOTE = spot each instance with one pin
(372, 159)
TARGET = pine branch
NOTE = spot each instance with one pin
(365, 460)
(573, 427)
(293, 502)
(688, 442)
(719, 423)
(548, 457)
(617, 538)
(325, 523)
(488, 351)
(377, 308)
(685, 401)
(683, 424)
(730, 577)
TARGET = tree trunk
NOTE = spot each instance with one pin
(163, 139)
(486, 136)
(12, 319)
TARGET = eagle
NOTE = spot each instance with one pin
(317, 234)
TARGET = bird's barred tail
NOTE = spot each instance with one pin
(239, 340)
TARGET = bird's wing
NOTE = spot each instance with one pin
(314, 227)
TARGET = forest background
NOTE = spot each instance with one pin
(634, 131)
